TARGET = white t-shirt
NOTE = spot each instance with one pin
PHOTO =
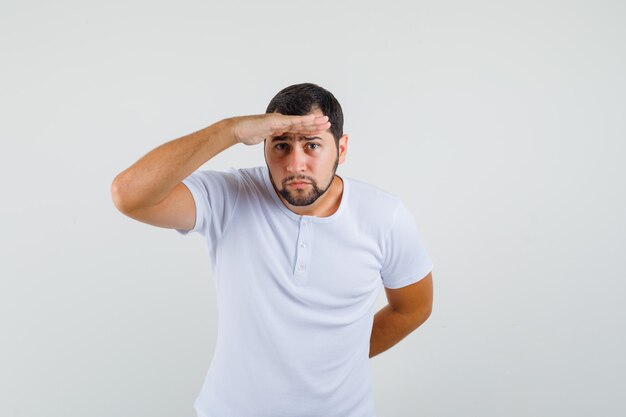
(296, 294)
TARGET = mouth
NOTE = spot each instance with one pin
(298, 184)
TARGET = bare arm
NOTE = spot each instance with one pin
(153, 177)
(151, 190)
(408, 308)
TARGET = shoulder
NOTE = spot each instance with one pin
(251, 173)
(251, 178)
(214, 179)
(373, 208)
(370, 197)
(230, 176)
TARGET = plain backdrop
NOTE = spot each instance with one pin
(502, 126)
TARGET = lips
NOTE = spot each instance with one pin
(298, 183)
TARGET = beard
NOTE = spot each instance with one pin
(309, 193)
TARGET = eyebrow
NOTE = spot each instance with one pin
(285, 138)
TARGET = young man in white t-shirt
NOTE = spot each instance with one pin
(298, 254)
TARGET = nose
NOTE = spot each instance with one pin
(297, 160)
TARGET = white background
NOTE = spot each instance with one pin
(502, 125)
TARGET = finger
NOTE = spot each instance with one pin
(304, 122)
(321, 120)
(312, 129)
(308, 124)
(286, 123)
(309, 119)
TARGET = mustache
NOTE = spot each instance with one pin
(292, 179)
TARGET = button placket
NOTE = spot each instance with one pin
(303, 250)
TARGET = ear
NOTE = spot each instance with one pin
(343, 148)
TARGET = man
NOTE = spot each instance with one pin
(298, 256)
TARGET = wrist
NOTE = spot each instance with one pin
(229, 128)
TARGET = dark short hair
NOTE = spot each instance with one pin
(300, 99)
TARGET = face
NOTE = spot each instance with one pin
(313, 160)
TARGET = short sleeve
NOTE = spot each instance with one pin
(215, 195)
(405, 259)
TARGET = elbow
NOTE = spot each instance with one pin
(117, 195)
(429, 308)
(425, 311)
(428, 312)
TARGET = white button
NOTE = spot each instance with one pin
(302, 244)
(301, 266)
(304, 222)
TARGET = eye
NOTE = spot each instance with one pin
(279, 146)
(314, 144)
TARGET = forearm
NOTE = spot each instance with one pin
(149, 180)
(390, 327)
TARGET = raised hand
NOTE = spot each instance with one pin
(254, 129)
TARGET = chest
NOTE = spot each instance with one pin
(329, 264)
